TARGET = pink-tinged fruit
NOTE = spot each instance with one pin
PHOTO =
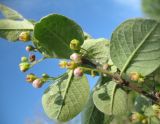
(76, 57)
(29, 48)
(78, 72)
(37, 83)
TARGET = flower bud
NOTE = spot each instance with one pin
(30, 48)
(76, 57)
(75, 44)
(136, 117)
(30, 78)
(78, 72)
(141, 80)
(32, 58)
(63, 64)
(71, 65)
(134, 76)
(24, 59)
(156, 107)
(24, 36)
(24, 66)
(37, 83)
(144, 121)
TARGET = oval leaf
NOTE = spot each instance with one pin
(97, 50)
(110, 99)
(10, 13)
(91, 115)
(54, 34)
(135, 46)
(66, 98)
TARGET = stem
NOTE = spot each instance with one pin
(125, 83)
(38, 61)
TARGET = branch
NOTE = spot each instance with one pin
(125, 83)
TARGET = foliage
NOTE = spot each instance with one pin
(128, 66)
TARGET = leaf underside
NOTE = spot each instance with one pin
(135, 46)
(97, 50)
(110, 100)
(64, 100)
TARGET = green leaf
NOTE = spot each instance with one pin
(11, 29)
(97, 50)
(151, 8)
(154, 120)
(8, 24)
(135, 46)
(91, 115)
(110, 99)
(141, 103)
(54, 34)
(10, 13)
(157, 75)
(66, 98)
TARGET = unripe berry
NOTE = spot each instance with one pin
(30, 78)
(75, 44)
(24, 36)
(45, 76)
(76, 57)
(30, 48)
(24, 66)
(63, 64)
(32, 58)
(78, 72)
(24, 59)
(37, 83)
(71, 65)
(134, 76)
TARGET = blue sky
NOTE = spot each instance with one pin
(20, 103)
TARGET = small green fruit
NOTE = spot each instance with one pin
(24, 66)
(75, 44)
(30, 78)
(24, 36)
(45, 75)
(71, 65)
(24, 59)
